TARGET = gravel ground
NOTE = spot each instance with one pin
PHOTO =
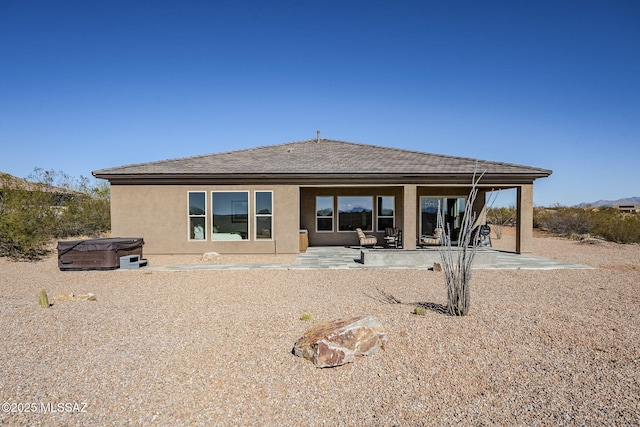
(172, 348)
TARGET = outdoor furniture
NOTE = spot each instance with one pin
(484, 236)
(436, 239)
(366, 240)
(393, 237)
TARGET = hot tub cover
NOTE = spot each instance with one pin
(103, 244)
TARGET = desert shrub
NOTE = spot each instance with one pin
(615, 226)
(606, 223)
(32, 216)
(420, 311)
(562, 220)
(26, 221)
(84, 213)
(500, 217)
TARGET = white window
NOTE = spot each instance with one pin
(355, 212)
(386, 212)
(324, 213)
(230, 215)
(264, 215)
(196, 205)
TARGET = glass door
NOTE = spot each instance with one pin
(452, 212)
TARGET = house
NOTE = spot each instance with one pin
(627, 207)
(258, 200)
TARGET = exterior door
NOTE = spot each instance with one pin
(452, 211)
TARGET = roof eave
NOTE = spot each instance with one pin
(327, 178)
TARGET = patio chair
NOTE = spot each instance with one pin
(436, 239)
(393, 237)
(366, 240)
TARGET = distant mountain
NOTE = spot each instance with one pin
(601, 203)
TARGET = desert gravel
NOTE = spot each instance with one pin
(207, 347)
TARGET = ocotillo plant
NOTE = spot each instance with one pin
(456, 264)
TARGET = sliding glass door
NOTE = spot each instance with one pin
(452, 211)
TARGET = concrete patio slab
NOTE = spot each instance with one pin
(338, 258)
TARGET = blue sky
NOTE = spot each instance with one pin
(86, 85)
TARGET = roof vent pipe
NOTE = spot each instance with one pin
(317, 136)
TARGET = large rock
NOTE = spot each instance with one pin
(339, 342)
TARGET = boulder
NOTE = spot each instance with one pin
(338, 342)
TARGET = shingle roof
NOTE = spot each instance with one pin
(317, 158)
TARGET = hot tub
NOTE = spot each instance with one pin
(97, 254)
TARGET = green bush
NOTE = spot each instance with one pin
(607, 223)
(616, 226)
(306, 317)
(32, 215)
(26, 221)
(564, 221)
(84, 213)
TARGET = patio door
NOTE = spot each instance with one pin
(452, 210)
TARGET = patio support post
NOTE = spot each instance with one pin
(409, 217)
(524, 219)
(480, 202)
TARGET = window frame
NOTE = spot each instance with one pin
(378, 216)
(332, 216)
(190, 216)
(371, 197)
(248, 222)
(444, 205)
(257, 215)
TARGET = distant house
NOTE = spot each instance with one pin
(258, 200)
(627, 207)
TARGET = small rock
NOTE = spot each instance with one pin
(338, 342)
(437, 266)
(87, 297)
(211, 256)
(73, 297)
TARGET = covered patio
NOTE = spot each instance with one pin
(331, 215)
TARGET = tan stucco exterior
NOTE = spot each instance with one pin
(524, 219)
(159, 214)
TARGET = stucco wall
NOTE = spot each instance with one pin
(158, 213)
